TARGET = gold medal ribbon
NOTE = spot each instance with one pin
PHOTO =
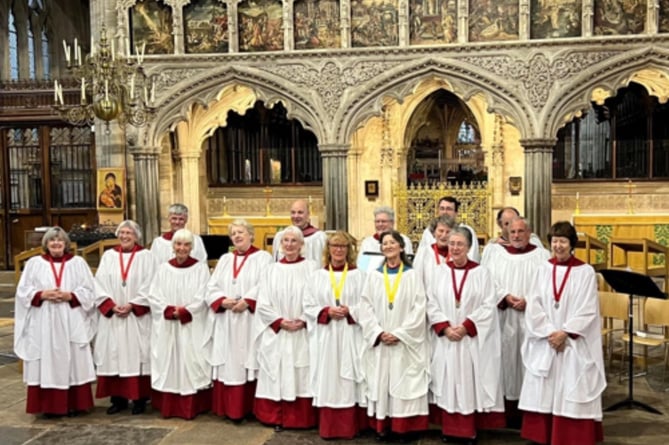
(338, 287)
(391, 292)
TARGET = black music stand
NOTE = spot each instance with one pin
(635, 285)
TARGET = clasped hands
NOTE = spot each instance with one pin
(292, 325)
(56, 296)
(516, 303)
(456, 333)
(338, 312)
(122, 310)
(234, 305)
(389, 339)
(558, 340)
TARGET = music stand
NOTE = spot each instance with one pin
(635, 285)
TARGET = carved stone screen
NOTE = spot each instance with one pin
(206, 27)
(493, 20)
(316, 24)
(151, 23)
(555, 18)
(374, 23)
(260, 26)
(432, 22)
(664, 16)
(617, 17)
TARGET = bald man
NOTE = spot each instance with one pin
(314, 239)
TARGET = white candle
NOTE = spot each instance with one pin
(79, 51)
(143, 50)
(92, 47)
(76, 55)
(65, 50)
(55, 91)
(68, 54)
(83, 90)
(132, 86)
(112, 50)
(153, 91)
(60, 95)
(106, 89)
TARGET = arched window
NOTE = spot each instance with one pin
(13, 50)
(36, 47)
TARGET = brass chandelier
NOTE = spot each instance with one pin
(113, 86)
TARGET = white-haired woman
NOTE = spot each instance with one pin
(121, 350)
(180, 374)
(284, 395)
(53, 329)
(231, 296)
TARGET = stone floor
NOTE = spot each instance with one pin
(626, 426)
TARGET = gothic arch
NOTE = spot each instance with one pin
(465, 83)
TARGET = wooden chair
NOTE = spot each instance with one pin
(613, 308)
(655, 315)
(93, 252)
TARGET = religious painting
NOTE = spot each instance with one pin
(206, 27)
(553, 19)
(260, 25)
(374, 23)
(433, 22)
(493, 20)
(151, 25)
(664, 16)
(111, 189)
(619, 17)
(316, 24)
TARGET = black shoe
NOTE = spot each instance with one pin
(115, 409)
(278, 428)
(51, 416)
(237, 421)
(381, 437)
(73, 413)
(138, 407)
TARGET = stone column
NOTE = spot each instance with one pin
(524, 20)
(233, 27)
(189, 172)
(345, 19)
(288, 29)
(538, 179)
(335, 185)
(403, 23)
(463, 21)
(147, 190)
(587, 18)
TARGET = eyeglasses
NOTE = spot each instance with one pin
(338, 246)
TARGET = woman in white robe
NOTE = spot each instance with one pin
(284, 394)
(564, 378)
(465, 391)
(180, 374)
(121, 349)
(395, 359)
(231, 297)
(53, 327)
(335, 339)
(430, 257)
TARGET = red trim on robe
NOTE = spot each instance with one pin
(465, 425)
(323, 316)
(139, 310)
(59, 401)
(571, 261)
(573, 336)
(168, 313)
(188, 262)
(299, 413)
(470, 326)
(252, 305)
(233, 401)
(339, 268)
(66, 257)
(106, 308)
(513, 251)
(556, 430)
(185, 316)
(168, 236)
(439, 327)
(74, 302)
(295, 261)
(503, 305)
(217, 306)
(37, 300)
(400, 425)
(183, 406)
(132, 388)
(276, 326)
(341, 423)
(309, 230)
(135, 248)
(349, 318)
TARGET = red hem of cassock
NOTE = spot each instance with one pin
(400, 425)
(341, 423)
(132, 388)
(299, 413)
(556, 430)
(465, 425)
(59, 401)
(184, 407)
(233, 401)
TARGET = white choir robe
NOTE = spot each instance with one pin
(396, 376)
(53, 339)
(566, 385)
(122, 345)
(228, 338)
(161, 247)
(314, 242)
(283, 392)
(489, 248)
(513, 273)
(465, 375)
(335, 350)
(371, 244)
(474, 254)
(179, 370)
(426, 261)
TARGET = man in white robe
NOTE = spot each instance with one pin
(514, 267)
(449, 205)
(314, 239)
(161, 247)
(504, 217)
(369, 253)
